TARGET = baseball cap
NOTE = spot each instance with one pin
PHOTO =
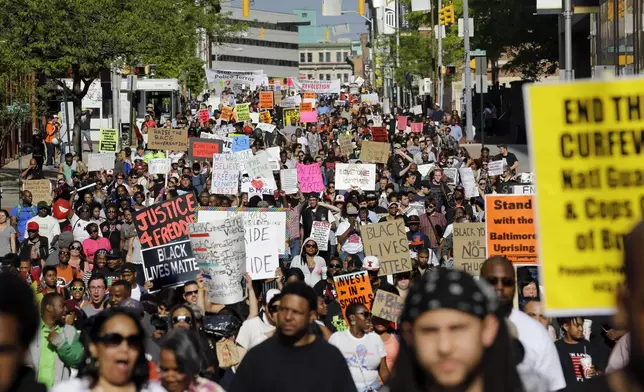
(128, 267)
(270, 294)
(352, 210)
(33, 226)
(414, 219)
(339, 199)
(371, 263)
(133, 305)
(393, 203)
(114, 254)
(371, 196)
(42, 204)
(502, 145)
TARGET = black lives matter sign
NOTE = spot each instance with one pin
(168, 259)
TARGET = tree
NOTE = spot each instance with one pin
(78, 38)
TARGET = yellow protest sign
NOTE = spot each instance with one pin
(242, 111)
(291, 114)
(587, 156)
(265, 117)
(109, 141)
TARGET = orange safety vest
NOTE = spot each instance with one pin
(51, 131)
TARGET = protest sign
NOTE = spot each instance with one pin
(310, 178)
(305, 107)
(288, 180)
(469, 247)
(274, 220)
(495, 168)
(361, 176)
(388, 306)
(320, 232)
(265, 117)
(346, 145)
(109, 141)
(451, 175)
(375, 152)
(258, 166)
(308, 94)
(226, 113)
(377, 120)
(258, 186)
(97, 161)
(240, 143)
(167, 139)
(228, 100)
(266, 100)
(201, 148)
(163, 232)
(266, 127)
(242, 112)
(309, 117)
(241, 157)
(380, 134)
(290, 102)
(204, 116)
(225, 182)
(317, 86)
(159, 165)
(220, 250)
(40, 190)
(417, 110)
(425, 169)
(401, 123)
(388, 241)
(273, 157)
(523, 189)
(589, 190)
(254, 117)
(224, 162)
(290, 115)
(417, 127)
(467, 179)
(510, 228)
(416, 208)
(353, 287)
(369, 98)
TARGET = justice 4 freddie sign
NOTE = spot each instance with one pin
(168, 259)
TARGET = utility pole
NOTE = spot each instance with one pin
(398, 89)
(469, 133)
(439, 93)
(568, 38)
(116, 95)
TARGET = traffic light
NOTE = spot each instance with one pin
(450, 70)
(449, 14)
(262, 33)
(442, 19)
(245, 8)
(361, 7)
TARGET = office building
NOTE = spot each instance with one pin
(326, 61)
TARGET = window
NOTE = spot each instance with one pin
(338, 57)
(305, 15)
(346, 78)
(346, 55)
(328, 57)
(309, 76)
(260, 42)
(328, 76)
(320, 57)
(302, 57)
(309, 57)
(338, 76)
(255, 60)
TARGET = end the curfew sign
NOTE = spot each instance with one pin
(168, 259)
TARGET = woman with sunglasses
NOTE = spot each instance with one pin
(114, 356)
(326, 287)
(95, 241)
(77, 292)
(364, 351)
(309, 262)
(182, 364)
(76, 255)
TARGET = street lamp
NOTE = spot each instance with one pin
(372, 73)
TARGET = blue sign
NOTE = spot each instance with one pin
(241, 143)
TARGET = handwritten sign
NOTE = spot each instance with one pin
(288, 181)
(225, 182)
(353, 287)
(109, 141)
(305, 107)
(204, 116)
(163, 232)
(258, 166)
(40, 190)
(97, 161)
(204, 148)
(266, 100)
(495, 168)
(265, 117)
(226, 113)
(220, 251)
(388, 306)
(369, 98)
(451, 175)
(417, 127)
(380, 134)
(240, 143)
(469, 247)
(388, 241)
(346, 145)
(224, 162)
(320, 232)
(242, 111)
(401, 123)
(159, 165)
(467, 179)
(257, 186)
(310, 178)
(361, 176)
(168, 139)
(266, 127)
(375, 152)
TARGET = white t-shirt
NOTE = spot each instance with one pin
(49, 226)
(363, 357)
(540, 352)
(82, 385)
(353, 244)
(253, 332)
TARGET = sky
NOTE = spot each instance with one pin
(356, 22)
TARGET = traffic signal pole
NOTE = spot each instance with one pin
(469, 133)
(439, 93)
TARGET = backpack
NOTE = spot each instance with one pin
(33, 211)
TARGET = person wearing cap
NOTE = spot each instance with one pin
(510, 159)
(393, 210)
(253, 331)
(479, 358)
(314, 212)
(348, 234)
(417, 240)
(35, 246)
(371, 264)
(114, 270)
(22, 213)
(48, 225)
(373, 207)
(129, 274)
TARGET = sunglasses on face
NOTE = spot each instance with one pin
(194, 292)
(338, 266)
(75, 247)
(115, 340)
(78, 288)
(185, 319)
(506, 282)
(311, 246)
(32, 231)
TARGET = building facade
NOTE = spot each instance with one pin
(276, 51)
(326, 61)
(617, 36)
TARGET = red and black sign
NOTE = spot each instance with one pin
(163, 232)
(379, 134)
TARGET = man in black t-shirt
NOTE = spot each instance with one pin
(294, 359)
(510, 159)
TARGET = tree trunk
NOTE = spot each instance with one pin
(77, 98)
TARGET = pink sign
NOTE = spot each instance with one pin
(417, 127)
(402, 123)
(309, 117)
(310, 178)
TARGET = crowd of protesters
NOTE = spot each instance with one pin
(77, 314)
